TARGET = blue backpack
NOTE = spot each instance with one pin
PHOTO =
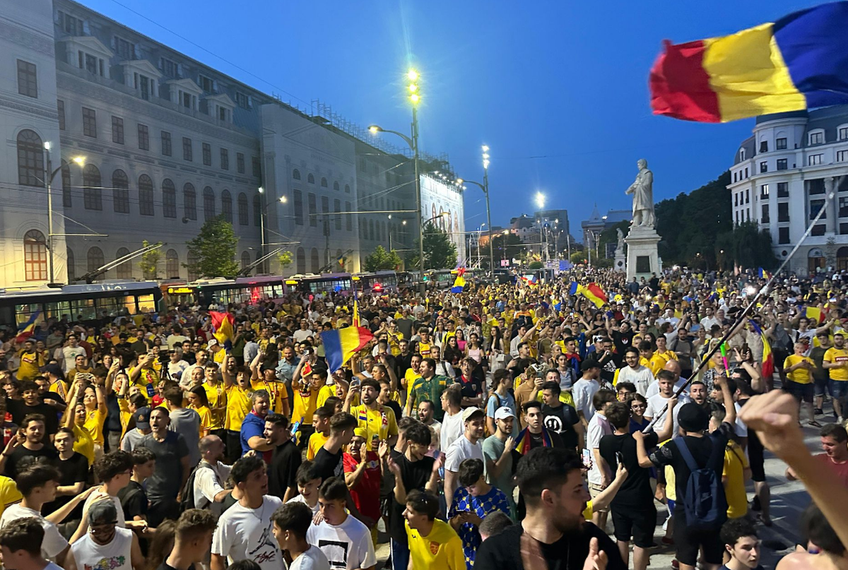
(704, 502)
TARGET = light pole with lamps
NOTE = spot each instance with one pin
(540, 202)
(80, 160)
(414, 98)
(485, 188)
(263, 214)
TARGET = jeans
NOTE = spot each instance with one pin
(400, 555)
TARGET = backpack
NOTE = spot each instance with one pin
(704, 501)
(187, 497)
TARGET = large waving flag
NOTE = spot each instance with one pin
(28, 328)
(222, 328)
(798, 62)
(768, 356)
(341, 344)
(815, 314)
(459, 282)
(594, 293)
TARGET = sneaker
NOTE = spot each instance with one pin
(819, 412)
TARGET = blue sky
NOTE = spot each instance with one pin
(557, 89)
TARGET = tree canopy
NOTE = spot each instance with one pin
(215, 249)
(439, 251)
(381, 259)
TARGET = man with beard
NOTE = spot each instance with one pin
(172, 467)
(105, 540)
(210, 475)
(428, 387)
(282, 472)
(377, 420)
(426, 415)
(553, 534)
(698, 394)
(560, 418)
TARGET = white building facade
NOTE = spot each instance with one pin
(782, 177)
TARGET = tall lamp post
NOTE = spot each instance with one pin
(540, 202)
(485, 188)
(262, 216)
(414, 98)
(50, 175)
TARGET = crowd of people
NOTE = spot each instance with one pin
(511, 426)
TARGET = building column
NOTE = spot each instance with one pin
(830, 204)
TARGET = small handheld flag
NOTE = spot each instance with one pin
(222, 328)
(341, 344)
(28, 328)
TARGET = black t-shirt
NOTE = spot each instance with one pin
(561, 420)
(133, 500)
(622, 341)
(471, 387)
(414, 475)
(326, 463)
(700, 448)
(20, 410)
(71, 471)
(395, 407)
(636, 490)
(20, 452)
(283, 469)
(55, 397)
(568, 553)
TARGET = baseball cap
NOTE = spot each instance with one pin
(103, 512)
(53, 369)
(467, 413)
(211, 343)
(503, 413)
(693, 417)
(142, 418)
(360, 432)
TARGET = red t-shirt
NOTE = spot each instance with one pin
(366, 493)
(841, 469)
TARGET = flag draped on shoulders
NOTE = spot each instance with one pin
(768, 356)
(523, 444)
(341, 344)
(28, 328)
(222, 328)
(459, 282)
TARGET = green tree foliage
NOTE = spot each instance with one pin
(507, 247)
(536, 265)
(215, 249)
(285, 259)
(745, 245)
(149, 262)
(382, 259)
(439, 251)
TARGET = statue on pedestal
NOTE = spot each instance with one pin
(619, 247)
(643, 196)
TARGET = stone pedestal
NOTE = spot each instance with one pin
(642, 256)
(620, 260)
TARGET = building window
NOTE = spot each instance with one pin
(323, 183)
(208, 203)
(817, 138)
(124, 270)
(783, 212)
(257, 210)
(242, 209)
(315, 264)
(814, 159)
(348, 218)
(242, 100)
(300, 260)
(764, 191)
(741, 156)
(223, 114)
(143, 137)
(841, 155)
(67, 202)
(27, 79)
(245, 259)
(347, 189)
(843, 207)
(782, 235)
(117, 130)
(89, 122)
(72, 270)
(764, 217)
(257, 167)
(783, 190)
(120, 192)
(187, 154)
(818, 230)
(746, 172)
(71, 25)
(816, 186)
(815, 207)
(172, 264)
(843, 229)
(30, 159)
(166, 143)
(780, 144)
(90, 63)
(189, 201)
(310, 179)
(61, 106)
(225, 159)
(747, 195)
(227, 205)
(35, 256)
(191, 262)
(296, 174)
(92, 191)
(313, 209)
(124, 48)
(298, 207)
(205, 83)
(169, 199)
(169, 67)
(763, 146)
(325, 208)
(735, 200)
(95, 259)
(337, 207)
(782, 164)
(764, 166)
(240, 162)
(207, 154)
(145, 195)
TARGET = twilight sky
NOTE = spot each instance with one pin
(557, 89)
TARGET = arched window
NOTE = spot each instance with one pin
(323, 183)
(336, 186)
(310, 179)
(208, 203)
(245, 259)
(189, 201)
(124, 270)
(315, 264)
(145, 195)
(257, 210)
(169, 199)
(227, 205)
(91, 188)
(242, 209)
(191, 261)
(72, 266)
(95, 259)
(35, 256)
(30, 159)
(301, 260)
(371, 233)
(66, 185)
(296, 174)
(347, 189)
(172, 264)
(120, 192)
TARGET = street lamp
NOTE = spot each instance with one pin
(540, 202)
(414, 98)
(50, 175)
(262, 215)
(485, 188)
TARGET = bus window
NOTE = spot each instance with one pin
(146, 304)
(56, 310)
(24, 312)
(83, 310)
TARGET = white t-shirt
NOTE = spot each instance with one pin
(583, 391)
(301, 335)
(245, 534)
(207, 484)
(463, 449)
(54, 543)
(641, 377)
(116, 555)
(740, 428)
(655, 409)
(69, 357)
(452, 428)
(300, 499)
(312, 559)
(347, 545)
(599, 426)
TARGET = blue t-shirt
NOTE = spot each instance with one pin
(482, 505)
(252, 426)
(496, 401)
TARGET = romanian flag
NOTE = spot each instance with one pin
(763, 274)
(768, 357)
(595, 294)
(222, 328)
(798, 62)
(523, 445)
(575, 288)
(529, 279)
(815, 314)
(341, 344)
(459, 282)
(28, 328)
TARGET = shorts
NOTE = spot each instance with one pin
(838, 389)
(689, 541)
(594, 491)
(802, 392)
(821, 386)
(635, 523)
(755, 457)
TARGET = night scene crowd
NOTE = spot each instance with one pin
(506, 426)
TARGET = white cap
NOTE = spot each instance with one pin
(503, 413)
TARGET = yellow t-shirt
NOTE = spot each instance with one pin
(424, 349)
(214, 394)
(146, 376)
(410, 376)
(834, 354)
(238, 406)
(277, 391)
(205, 418)
(379, 423)
(316, 442)
(94, 421)
(83, 444)
(305, 406)
(324, 393)
(656, 363)
(9, 494)
(667, 355)
(59, 387)
(126, 414)
(30, 363)
(799, 375)
(220, 356)
(442, 548)
(734, 480)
